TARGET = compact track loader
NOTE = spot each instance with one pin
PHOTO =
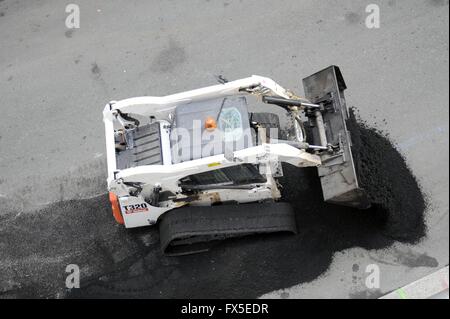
(204, 168)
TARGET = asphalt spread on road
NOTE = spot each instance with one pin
(120, 263)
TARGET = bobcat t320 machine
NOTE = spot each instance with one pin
(204, 168)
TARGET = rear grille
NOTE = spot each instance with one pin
(144, 147)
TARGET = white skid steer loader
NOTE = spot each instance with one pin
(204, 168)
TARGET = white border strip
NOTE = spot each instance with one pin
(433, 285)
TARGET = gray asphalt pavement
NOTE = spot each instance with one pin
(55, 83)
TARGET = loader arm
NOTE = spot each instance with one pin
(169, 175)
(162, 106)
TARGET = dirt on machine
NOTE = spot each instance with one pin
(204, 168)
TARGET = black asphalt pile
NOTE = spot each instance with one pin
(128, 263)
(383, 173)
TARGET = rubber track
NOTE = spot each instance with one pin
(192, 229)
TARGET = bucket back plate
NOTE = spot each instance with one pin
(337, 173)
